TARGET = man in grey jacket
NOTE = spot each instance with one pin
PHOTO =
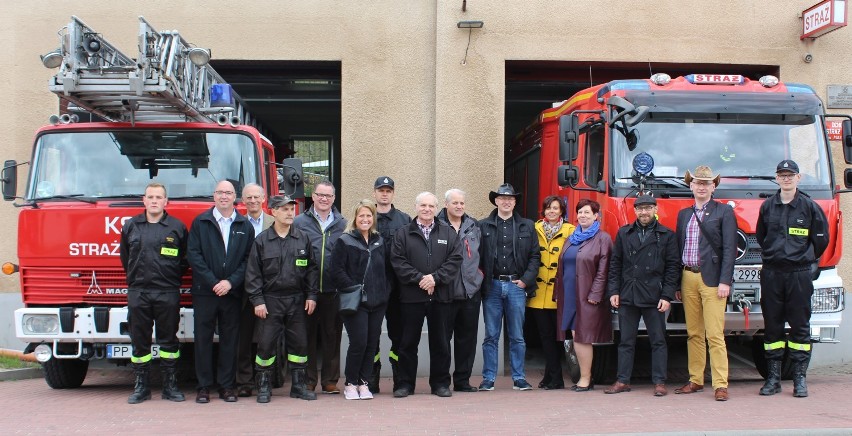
(324, 224)
(464, 314)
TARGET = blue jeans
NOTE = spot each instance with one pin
(504, 298)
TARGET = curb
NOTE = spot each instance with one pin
(20, 374)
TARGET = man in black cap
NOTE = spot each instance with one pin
(389, 220)
(644, 273)
(509, 257)
(282, 281)
(793, 233)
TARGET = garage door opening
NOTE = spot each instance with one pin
(298, 104)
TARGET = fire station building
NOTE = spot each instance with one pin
(429, 92)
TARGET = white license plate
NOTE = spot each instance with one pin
(125, 351)
(746, 274)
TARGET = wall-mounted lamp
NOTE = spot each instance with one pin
(469, 25)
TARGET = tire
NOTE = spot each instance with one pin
(604, 363)
(65, 373)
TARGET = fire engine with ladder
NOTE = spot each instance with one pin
(165, 116)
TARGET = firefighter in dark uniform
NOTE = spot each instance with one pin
(793, 233)
(153, 254)
(282, 280)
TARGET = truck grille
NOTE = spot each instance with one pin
(98, 286)
(753, 252)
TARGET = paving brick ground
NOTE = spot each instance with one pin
(99, 407)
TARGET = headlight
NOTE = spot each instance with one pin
(41, 324)
(827, 300)
(43, 353)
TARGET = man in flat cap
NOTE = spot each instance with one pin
(707, 241)
(282, 281)
(644, 273)
(509, 258)
(793, 233)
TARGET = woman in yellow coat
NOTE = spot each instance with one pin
(552, 232)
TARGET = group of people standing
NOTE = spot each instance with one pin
(258, 278)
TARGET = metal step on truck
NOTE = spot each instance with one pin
(165, 116)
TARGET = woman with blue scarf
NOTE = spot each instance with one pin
(581, 284)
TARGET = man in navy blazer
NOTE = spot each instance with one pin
(706, 234)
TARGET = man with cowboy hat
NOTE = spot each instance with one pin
(707, 242)
(509, 258)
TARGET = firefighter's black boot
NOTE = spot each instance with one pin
(141, 390)
(373, 383)
(800, 387)
(773, 378)
(395, 371)
(264, 388)
(298, 388)
(170, 389)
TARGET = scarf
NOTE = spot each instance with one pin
(550, 230)
(580, 235)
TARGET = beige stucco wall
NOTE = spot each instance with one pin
(409, 106)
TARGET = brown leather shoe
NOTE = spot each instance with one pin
(722, 394)
(203, 396)
(660, 390)
(617, 388)
(330, 389)
(689, 388)
(228, 395)
(244, 391)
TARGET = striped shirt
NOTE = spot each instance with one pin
(690, 247)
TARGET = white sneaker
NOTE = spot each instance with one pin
(364, 392)
(350, 392)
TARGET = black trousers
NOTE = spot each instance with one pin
(147, 310)
(245, 352)
(545, 321)
(325, 326)
(655, 323)
(437, 317)
(785, 296)
(464, 326)
(286, 315)
(211, 311)
(364, 328)
(393, 323)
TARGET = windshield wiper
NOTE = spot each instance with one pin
(192, 197)
(770, 178)
(78, 197)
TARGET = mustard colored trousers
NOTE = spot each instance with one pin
(705, 325)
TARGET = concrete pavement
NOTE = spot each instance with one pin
(30, 406)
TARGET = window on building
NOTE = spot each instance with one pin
(315, 153)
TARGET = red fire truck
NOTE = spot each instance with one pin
(610, 141)
(168, 117)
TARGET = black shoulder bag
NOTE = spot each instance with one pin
(351, 297)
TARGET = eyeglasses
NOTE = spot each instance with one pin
(326, 196)
(645, 208)
(787, 176)
(228, 193)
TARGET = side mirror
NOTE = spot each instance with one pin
(567, 175)
(291, 179)
(640, 114)
(10, 180)
(847, 178)
(846, 132)
(569, 131)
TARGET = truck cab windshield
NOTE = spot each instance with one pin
(743, 148)
(120, 163)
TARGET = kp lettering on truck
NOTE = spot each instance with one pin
(610, 141)
(169, 117)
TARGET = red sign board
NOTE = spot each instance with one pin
(823, 17)
(833, 129)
